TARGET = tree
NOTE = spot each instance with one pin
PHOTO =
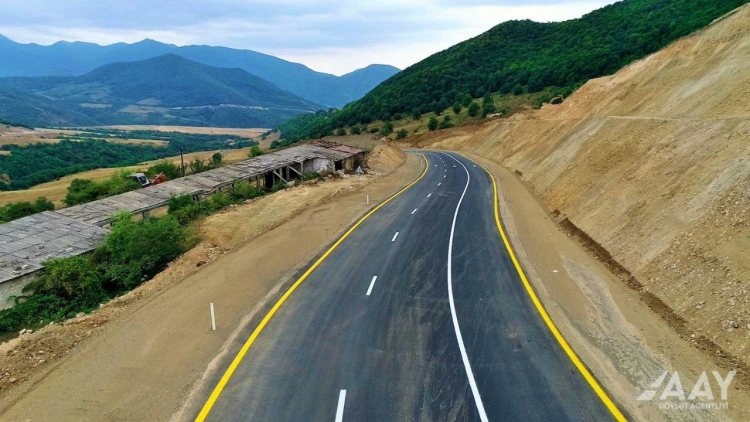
(416, 114)
(433, 124)
(341, 132)
(474, 109)
(517, 90)
(457, 107)
(387, 129)
(198, 166)
(171, 170)
(401, 134)
(255, 151)
(488, 105)
(216, 160)
(446, 123)
(466, 100)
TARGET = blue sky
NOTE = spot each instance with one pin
(334, 36)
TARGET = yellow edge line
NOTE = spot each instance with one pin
(243, 351)
(545, 316)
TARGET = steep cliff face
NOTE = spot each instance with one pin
(653, 163)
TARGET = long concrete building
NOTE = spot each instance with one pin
(26, 243)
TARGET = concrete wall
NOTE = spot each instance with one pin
(14, 287)
(317, 165)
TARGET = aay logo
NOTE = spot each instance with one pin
(701, 390)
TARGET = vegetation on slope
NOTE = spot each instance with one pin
(169, 90)
(30, 165)
(16, 210)
(523, 57)
(133, 253)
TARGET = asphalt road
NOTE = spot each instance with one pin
(393, 343)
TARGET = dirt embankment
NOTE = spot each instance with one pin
(138, 356)
(652, 166)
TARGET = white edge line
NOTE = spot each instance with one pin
(459, 337)
(429, 195)
(340, 408)
(372, 284)
(394, 237)
(415, 210)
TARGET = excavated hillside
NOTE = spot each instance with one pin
(651, 167)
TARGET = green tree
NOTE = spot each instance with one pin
(198, 166)
(402, 134)
(216, 160)
(432, 125)
(474, 109)
(416, 114)
(387, 129)
(255, 151)
(466, 100)
(488, 105)
(457, 107)
(171, 170)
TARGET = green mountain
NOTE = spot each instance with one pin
(168, 90)
(78, 58)
(525, 57)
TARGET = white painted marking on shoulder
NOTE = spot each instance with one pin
(444, 177)
(340, 408)
(394, 237)
(415, 210)
(372, 284)
(459, 337)
(429, 195)
(440, 183)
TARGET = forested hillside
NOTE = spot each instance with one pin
(168, 90)
(523, 56)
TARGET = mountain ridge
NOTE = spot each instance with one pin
(77, 58)
(167, 89)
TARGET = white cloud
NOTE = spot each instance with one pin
(334, 36)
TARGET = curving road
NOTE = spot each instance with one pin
(418, 315)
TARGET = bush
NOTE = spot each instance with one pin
(402, 134)
(16, 210)
(243, 191)
(433, 124)
(457, 108)
(341, 132)
(474, 109)
(171, 170)
(85, 190)
(387, 129)
(132, 253)
(356, 130)
(257, 152)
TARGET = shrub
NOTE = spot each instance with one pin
(401, 134)
(257, 152)
(16, 210)
(433, 124)
(474, 109)
(85, 190)
(341, 132)
(171, 170)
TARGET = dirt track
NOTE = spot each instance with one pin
(138, 357)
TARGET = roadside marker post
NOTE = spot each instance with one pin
(213, 318)
(368, 199)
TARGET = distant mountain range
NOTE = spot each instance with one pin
(79, 58)
(166, 90)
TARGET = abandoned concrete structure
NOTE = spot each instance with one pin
(26, 243)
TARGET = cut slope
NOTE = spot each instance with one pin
(653, 164)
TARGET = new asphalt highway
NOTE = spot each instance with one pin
(419, 314)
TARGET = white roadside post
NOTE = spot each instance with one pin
(368, 199)
(213, 318)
